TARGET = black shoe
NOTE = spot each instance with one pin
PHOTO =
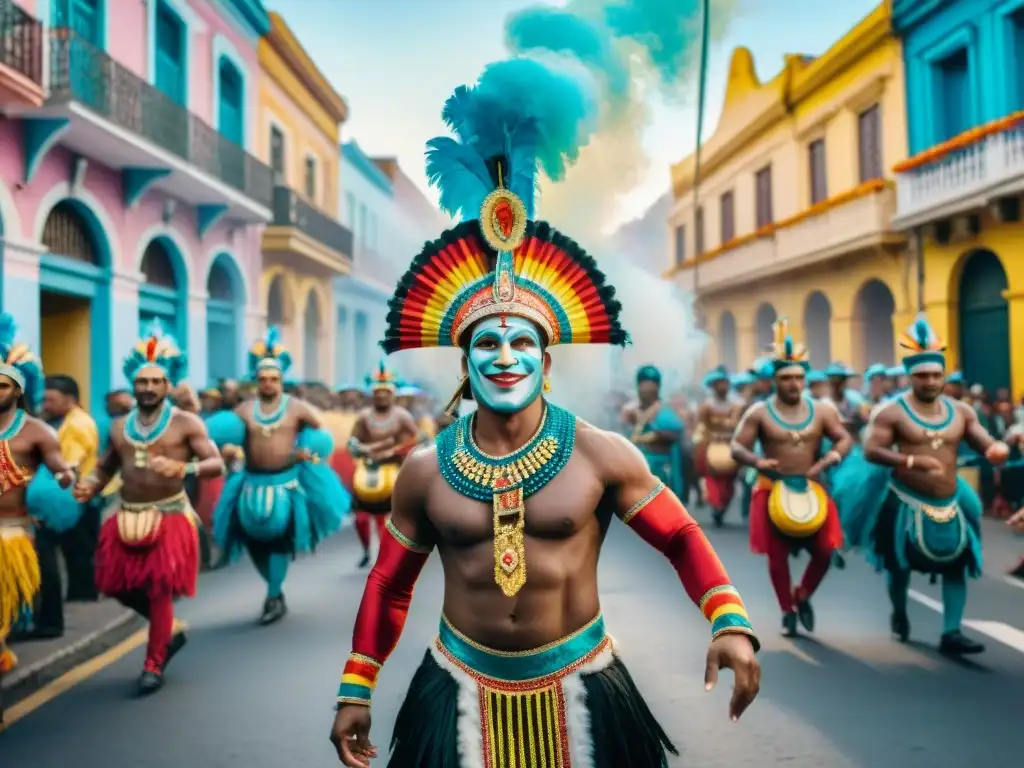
(956, 644)
(274, 609)
(365, 561)
(805, 613)
(1018, 571)
(900, 626)
(718, 517)
(149, 682)
(789, 624)
(177, 643)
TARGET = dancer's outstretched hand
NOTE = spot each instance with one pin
(351, 736)
(735, 652)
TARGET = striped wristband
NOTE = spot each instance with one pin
(358, 680)
(723, 607)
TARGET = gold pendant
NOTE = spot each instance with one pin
(509, 537)
(936, 439)
(796, 437)
(265, 431)
(141, 458)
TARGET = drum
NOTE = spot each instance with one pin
(720, 459)
(797, 513)
(139, 527)
(373, 483)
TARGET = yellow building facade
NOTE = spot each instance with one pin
(305, 246)
(795, 206)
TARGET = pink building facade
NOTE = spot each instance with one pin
(127, 191)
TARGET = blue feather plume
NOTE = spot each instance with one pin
(922, 332)
(524, 113)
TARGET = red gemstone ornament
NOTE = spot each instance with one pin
(504, 217)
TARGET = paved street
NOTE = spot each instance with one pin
(261, 698)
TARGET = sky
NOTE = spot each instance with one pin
(396, 61)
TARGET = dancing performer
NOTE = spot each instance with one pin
(874, 384)
(847, 400)
(790, 510)
(656, 429)
(717, 418)
(339, 421)
(384, 434)
(286, 498)
(148, 552)
(912, 512)
(33, 476)
(817, 385)
(521, 629)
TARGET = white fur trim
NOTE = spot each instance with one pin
(471, 738)
(577, 714)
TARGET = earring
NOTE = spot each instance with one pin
(547, 385)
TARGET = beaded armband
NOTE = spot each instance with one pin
(724, 608)
(405, 541)
(358, 680)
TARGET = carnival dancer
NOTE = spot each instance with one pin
(847, 400)
(717, 418)
(955, 385)
(898, 382)
(384, 434)
(148, 552)
(656, 429)
(763, 373)
(790, 510)
(912, 512)
(874, 384)
(817, 385)
(339, 421)
(285, 498)
(33, 476)
(504, 289)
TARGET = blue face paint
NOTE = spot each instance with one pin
(506, 363)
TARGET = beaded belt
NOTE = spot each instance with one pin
(176, 503)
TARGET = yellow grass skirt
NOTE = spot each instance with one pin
(19, 584)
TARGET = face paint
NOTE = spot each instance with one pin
(506, 363)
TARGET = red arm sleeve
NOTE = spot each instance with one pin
(382, 613)
(662, 521)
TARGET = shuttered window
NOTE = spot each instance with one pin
(763, 192)
(728, 218)
(698, 234)
(869, 144)
(819, 180)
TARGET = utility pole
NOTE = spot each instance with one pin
(702, 76)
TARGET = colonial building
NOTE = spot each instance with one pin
(127, 188)
(959, 193)
(305, 246)
(795, 204)
(391, 220)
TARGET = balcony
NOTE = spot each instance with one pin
(964, 179)
(849, 223)
(299, 228)
(103, 111)
(21, 57)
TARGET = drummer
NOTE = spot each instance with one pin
(717, 418)
(790, 510)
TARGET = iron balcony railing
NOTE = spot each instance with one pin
(292, 210)
(21, 41)
(81, 72)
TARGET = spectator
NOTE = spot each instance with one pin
(80, 444)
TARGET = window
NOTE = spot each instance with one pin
(869, 145)
(680, 244)
(819, 181)
(954, 97)
(169, 56)
(350, 204)
(277, 154)
(1017, 31)
(311, 178)
(763, 197)
(728, 219)
(232, 100)
(698, 233)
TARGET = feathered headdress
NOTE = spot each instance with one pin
(19, 364)
(922, 345)
(382, 378)
(786, 353)
(520, 116)
(718, 373)
(156, 349)
(269, 352)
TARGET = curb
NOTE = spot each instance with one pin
(23, 682)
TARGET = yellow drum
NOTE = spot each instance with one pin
(139, 527)
(971, 476)
(373, 483)
(797, 513)
(719, 459)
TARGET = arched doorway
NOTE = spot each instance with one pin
(163, 294)
(873, 325)
(984, 322)
(74, 300)
(311, 337)
(727, 344)
(276, 303)
(817, 329)
(763, 322)
(225, 292)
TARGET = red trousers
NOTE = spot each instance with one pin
(365, 521)
(719, 488)
(766, 540)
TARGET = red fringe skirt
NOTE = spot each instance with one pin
(762, 531)
(170, 565)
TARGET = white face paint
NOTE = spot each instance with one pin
(506, 363)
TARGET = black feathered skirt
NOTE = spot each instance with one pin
(570, 704)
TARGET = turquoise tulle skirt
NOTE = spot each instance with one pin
(52, 505)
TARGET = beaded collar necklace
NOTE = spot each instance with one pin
(797, 430)
(268, 422)
(14, 428)
(141, 436)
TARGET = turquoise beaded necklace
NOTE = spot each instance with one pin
(795, 430)
(473, 473)
(268, 422)
(932, 429)
(141, 437)
(14, 427)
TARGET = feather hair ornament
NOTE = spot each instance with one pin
(523, 116)
(923, 346)
(786, 352)
(269, 352)
(156, 349)
(382, 378)
(19, 364)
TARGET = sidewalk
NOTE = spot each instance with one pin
(89, 630)
(1003, 547)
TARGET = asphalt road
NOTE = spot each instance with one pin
(240, 695)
